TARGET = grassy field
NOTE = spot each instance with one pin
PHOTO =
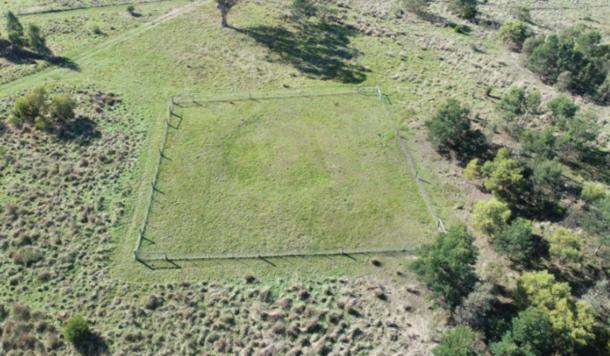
(285, 175)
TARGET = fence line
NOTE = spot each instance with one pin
(186, 100)
(409, 158)
(142, 228)
(85, 7)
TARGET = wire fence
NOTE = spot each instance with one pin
(193, 100)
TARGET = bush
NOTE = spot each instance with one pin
(503, 175)
(76, 330)
(571, 320)
(514, 34)
(593, 191)
(302, 9)
(517, 102)
(547, 179)
(14, 29)
(490, 216)
(459, 341)
(521, 12)
(472, 170)
(29, 107)
(562, 107)
(447, 266)
(62, 108)
(466, 9)
(415, 6)
(476, 307)
(565, 245)
(531, 334)
(542, 144)
(516, 241)
(450, 125)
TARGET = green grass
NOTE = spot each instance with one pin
(285, 175)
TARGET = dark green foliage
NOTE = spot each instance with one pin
(547, 179)
(302, 9)
(518, 103)
(596, 222)
(531, 334)
(36, 41)
(578, 56)
(530, 44)
(516, 241)
(562, 107)
(459, 341)
(447, 266)
(541, 144)
(76, 330)
(578, 141)
(14, 29)
(450, 126)
(466, 9)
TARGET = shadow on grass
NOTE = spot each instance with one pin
(19, 55)
(92, 345)
(82, 130)
(318, 49)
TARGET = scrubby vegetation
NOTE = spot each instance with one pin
(503, 107)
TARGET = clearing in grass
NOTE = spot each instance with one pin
(286, 175)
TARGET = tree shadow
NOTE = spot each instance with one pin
(93, 345)
(319, 49)
(20, 55)
(474, 146)
(82, 130)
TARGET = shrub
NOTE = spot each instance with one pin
(302, 9)
(571, 320)
(521, 12)
(466, 9)
(415, 6)
(565, 245)
(516, 241)
(514, 34)
(503, 175)
(447, 266)
(531, 334)
(62, 108)
(472, 170)
(476, 307)
(562, 107)
(76, 330)
(547, 179)
(28, 107)
(531, 43)
(450, 125)
(490, 216)
(542, 144)
(459, 341)
(593, 191)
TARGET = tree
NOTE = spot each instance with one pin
(516, 241)
(540, 143)
(518, 103)
(503, 175)
(450, 125)
(36, 41)
(76, 330)
(224, 6)
(490, 216)
(514, 34)
(571, 320)
(472, 170)
(531, 334)
(14, 29)
(447, 266)
(476, 307)
(459, 341)
(565, 245)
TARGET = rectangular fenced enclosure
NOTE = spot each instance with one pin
(280, 174)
